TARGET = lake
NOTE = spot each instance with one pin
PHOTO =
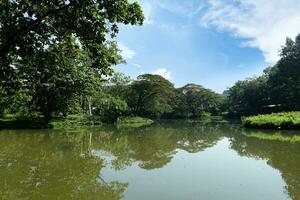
(168, 160)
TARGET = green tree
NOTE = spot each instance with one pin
(106, 98)
(27, 25)
(3, 101)
(194, 101)
(54, 76)
(16, 103)
(249, 97)
(118, 85)
(278, 89)
(57, 49)
(284, 78)
(150, 95)
(109, 108)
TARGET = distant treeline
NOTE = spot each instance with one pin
(150, 96)
(155, 97)
(73, 89)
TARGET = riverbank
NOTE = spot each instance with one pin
(284, 120)
(12, 122)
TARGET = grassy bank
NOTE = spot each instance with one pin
(133, 121)
(284, 120)
(12, 122)
(76, 121)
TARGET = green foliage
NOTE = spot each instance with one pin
(75, 121)
(194, 101)
(248, 97)
(30, 25)
(52, 53)
(3, 101)
(110, 108)
(284, 120)
(118, 85)
(284, 78)
(15, 103)
(150, 96)
(277, 90)
(54, 76)
(37, 122)
(133, 121)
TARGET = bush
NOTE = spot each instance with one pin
(110, 109)
(284, 120)
(76, 121)
(133, 121)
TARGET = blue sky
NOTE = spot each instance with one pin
(213, 43)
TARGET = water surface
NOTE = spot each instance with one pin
(168, 160)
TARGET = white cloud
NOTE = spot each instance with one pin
(163, 72)
(147, 9)
(187, 8)
(136, 65)
(126, 52)
(264, 24)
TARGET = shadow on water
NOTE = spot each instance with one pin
(50, 164)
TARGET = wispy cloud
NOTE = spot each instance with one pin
(136, 65)
(163, 72)
(187, 8)
(264, 24)
(126, 52)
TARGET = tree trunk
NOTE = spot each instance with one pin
(89, 99)
(47, 118)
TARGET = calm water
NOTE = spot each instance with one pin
(166, 161)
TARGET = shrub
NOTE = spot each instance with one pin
(283, 120)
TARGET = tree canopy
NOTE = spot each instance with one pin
(278, 89)
(27, 27)
(194, 101)
(54, 50)
(150, 95)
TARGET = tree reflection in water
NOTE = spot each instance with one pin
(52, 165)
(281, 155)
(68, 164)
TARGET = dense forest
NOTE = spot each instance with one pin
(56, 59)
(277, 90)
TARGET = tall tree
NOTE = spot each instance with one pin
(55, 49)
(54, 76)
(150, 95)
(193, 101)
(29, 25)
(249, 97)
(284, 78)
(118, 85)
